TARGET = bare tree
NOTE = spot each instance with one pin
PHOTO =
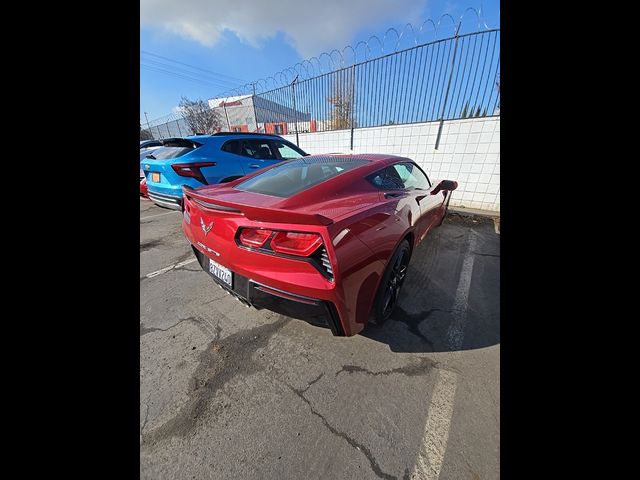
(342, 102)
(145, 134)
(199, 116)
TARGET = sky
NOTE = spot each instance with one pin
(202, 48)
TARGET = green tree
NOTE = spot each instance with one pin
(473, 111)
(464, 110)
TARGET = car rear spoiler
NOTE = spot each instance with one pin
(180, 142)
(260, 214)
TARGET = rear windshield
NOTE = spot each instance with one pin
(173, 148)
(295, 176)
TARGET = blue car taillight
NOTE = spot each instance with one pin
(192, 170)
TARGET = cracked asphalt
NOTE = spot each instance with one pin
(228, 391)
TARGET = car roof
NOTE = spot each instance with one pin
(223, 136)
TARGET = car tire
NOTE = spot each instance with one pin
(391, 283)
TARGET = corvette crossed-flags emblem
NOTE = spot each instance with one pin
(205, 228)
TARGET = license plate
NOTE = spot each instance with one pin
(221, 273)
(155, 177)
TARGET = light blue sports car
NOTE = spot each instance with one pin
(209, 159)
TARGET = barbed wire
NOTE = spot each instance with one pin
(328, 62)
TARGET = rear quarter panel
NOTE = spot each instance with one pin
(362, 244)
(385, 226)
(373, 234)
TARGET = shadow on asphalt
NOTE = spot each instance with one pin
(451, 297)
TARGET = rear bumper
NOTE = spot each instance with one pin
(163, 200)
(315, 311)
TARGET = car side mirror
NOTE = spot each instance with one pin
(448, 185)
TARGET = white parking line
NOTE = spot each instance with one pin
(170, 267)
(436, 429)
(159, 214)
(455, 333)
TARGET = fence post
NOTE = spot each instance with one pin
(253, 102)
(295, 111)
(159, 134)
(178, 125)
(353, 88)
(168, 131)
(446, 94)
(224, 105)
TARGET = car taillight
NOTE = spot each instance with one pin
(292, 243)
(254, 237)
(192, 170)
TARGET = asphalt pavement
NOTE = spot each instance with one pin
(228, 391)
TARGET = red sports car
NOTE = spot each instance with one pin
(323, 238)
(143, 185)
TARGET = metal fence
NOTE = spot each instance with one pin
(452, 78)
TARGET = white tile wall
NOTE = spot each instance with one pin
(469, 152)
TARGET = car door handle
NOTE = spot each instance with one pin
(254, 165)
(393, 195)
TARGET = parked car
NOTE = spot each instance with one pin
(144, 153)
(209, 159)
(143, 185)
(323, 238)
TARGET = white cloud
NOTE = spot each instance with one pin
(311, 26)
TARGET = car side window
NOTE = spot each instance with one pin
(400, 176)
(232, 146)
(411, 176)
(287, 151)
(258, 149)
(387, 179)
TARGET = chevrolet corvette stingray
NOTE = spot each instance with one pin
(323, 238)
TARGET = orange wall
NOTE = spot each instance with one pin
(270, 127)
